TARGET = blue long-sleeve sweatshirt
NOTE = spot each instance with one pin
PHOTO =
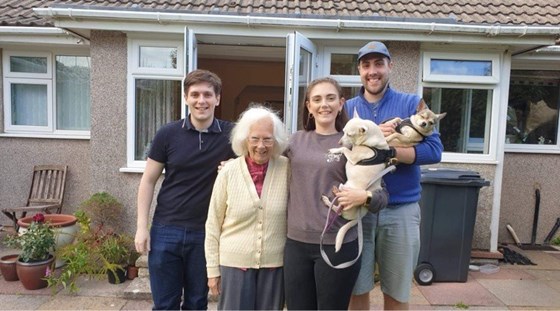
(404, 184)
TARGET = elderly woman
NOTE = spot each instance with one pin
(246, 225)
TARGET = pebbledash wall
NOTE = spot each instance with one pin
(95, 164)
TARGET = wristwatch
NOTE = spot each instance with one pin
(392, 152)
(369, 197)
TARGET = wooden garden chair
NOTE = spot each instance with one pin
(46, 193)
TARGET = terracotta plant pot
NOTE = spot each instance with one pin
(8, 267)
(131, 272)
(65, 229)
(31, 274)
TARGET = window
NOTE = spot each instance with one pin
(155, 82)
(464, 128)
(465, 86)
(38, 102)
(341, 63)
(460, 67)
(532, 114)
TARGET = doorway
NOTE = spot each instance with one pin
(250, 74)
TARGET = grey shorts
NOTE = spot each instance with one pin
(392, 239)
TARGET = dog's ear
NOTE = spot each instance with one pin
(440, 116)
(356, 115)
(421, 105)
(362, 129)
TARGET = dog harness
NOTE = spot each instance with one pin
(407, 122)
(380, 156)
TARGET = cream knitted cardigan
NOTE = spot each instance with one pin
(243, 230)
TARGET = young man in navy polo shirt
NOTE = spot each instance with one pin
(190, 151)
(392, 236)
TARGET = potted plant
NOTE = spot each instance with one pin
(64, 228)
(132, 269)
(96, 247)
(115, 253)
(104, 211)
(35, 260)
(82, 257)
(8, 267)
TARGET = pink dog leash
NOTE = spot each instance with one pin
(329, 223)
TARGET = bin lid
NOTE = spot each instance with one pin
(450, 176)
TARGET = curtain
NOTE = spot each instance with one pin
(72, 92)
(157, 102)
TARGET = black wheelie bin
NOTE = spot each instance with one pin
(448, 208)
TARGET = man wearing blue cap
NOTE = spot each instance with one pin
(392, 236)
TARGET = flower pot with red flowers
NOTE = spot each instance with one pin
(35, 261)
(64, 227)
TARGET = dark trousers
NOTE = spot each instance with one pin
(311, 284)
(177, 268)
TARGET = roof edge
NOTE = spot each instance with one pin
(337, 24)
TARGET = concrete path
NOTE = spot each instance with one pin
(513, 287)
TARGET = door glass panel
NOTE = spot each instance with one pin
(304, 79)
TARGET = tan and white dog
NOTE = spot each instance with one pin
(411, 131)
(366, 152)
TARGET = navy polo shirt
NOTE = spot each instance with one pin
(191, 161)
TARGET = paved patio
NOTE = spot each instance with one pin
(513, 287)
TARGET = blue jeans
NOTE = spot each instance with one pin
(177, 268)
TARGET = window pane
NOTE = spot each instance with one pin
(464, 128)
(157, 102)
(72, 92)
(158, 57)
(28, 64)
(344, 64)
(461, 67)
(29, 104)
(349, 92)
(532, 116)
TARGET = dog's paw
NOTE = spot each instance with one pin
(336, 150)
(325, 200)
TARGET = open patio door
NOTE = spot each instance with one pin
(301, 62)
(191, 56)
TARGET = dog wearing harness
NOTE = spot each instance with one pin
(367, 159)
(410, 131)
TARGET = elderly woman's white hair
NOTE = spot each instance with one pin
(252, 115)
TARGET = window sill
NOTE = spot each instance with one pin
(134, 170)
(131, 170)
(48, 136)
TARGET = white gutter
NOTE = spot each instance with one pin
(8, 30)
(338, 24)
(40, 35)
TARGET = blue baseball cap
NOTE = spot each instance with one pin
(374, 47)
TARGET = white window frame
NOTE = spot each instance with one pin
(344, 80)
(135, 72)
(470, 82)
(427, 76)
(536, 61)
(48, 79)
(135, 57)
(9, 73)
(8, 126)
